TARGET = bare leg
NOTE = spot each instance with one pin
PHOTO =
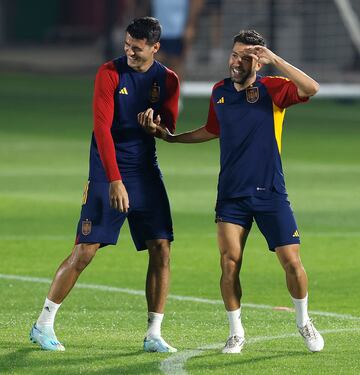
(69, 271)
(65, 278)
(297, 284)
(157, 280)
(157, 285)
(231, 240)
(296, 278)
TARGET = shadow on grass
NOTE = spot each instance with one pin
(9, 362)
(239, 360)
(33, 360)
(149, 368)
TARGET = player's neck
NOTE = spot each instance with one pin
(247, 83)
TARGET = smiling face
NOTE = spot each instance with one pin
(242, 67)
(140, 54)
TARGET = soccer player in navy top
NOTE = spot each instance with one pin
(246, 114)
(125, 181)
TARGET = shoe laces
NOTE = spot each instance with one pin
(309, 331)
(233, 341)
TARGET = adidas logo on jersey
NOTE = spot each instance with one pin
(296, 234)
(221, 100)
(123, 91)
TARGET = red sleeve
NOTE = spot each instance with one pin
(282, 91)
(106, 82)
(169, 110)
(212, 123)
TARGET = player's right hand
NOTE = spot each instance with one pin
(147, 122)
(119, 199)
(153, 126)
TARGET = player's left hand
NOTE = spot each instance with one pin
(261, 54)
(147, 121)
(118, 196)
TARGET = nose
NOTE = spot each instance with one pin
(129, 51)
(237, 60)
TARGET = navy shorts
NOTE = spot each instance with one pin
(149, 215)
(273, 216)
(172, 46)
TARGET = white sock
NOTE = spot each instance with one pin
(47, 315)
(301, 309)
(236, 327)
(154, 325)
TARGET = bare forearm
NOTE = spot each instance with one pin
(160, 130)
(305, 84)
(193, 136)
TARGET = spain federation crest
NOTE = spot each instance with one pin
(252, 94)
(86, 227)
(154, 93)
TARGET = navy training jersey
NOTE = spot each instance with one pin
(249, 125)
(119, 146)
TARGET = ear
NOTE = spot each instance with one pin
(258, 66)
(156, 47)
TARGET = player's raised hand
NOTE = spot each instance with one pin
(119, 199)
(147, 122)
(153, 126)
(261, 54)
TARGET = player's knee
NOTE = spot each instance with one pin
(294, 267)
(230, 261)
(82, 255)
(159, 254)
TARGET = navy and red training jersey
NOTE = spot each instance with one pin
(249, 124)
(119, 146)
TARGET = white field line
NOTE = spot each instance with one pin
(174, 365)
(106, 288)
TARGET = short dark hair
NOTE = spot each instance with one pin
(249, 37)
(148, 28)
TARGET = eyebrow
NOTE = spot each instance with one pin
(242, 54)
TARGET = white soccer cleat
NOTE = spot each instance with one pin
(46, 338)
(158, 344)
(234, 345)
(312, 337)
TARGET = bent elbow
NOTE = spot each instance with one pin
(313, 89)
(316, 87)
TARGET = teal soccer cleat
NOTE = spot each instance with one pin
(46, 338)
(158, 345)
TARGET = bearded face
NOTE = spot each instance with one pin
(241, 65)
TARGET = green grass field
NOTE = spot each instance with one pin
(44, 142)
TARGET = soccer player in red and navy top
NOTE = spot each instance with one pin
(246, 114)
(125, 181)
